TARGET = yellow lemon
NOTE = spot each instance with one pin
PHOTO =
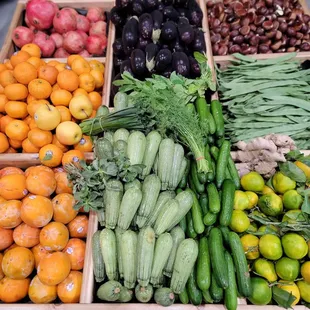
(250, 246)
(305, 271)
(304, 289)
(290, 287)
(270, 247)
(253, 199)
(252, 181)
(282, 183)
(265, 269)
(241, 200)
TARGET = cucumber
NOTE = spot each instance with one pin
(125, 294)
(216, 292)
(211, 121)
(211, 174)
(164, 296)
(120, 101)
(222, 162)
(121, 134)
(210, 218)
(203, 265)
(183, 296)
(240, 261)
(183, 224)
(202, 178)
(194, 293)
(183, 182)
(230, 294)
(103, 110)
(203, 201)
(136, 145)
(199, 187)
(144, 293)
(227, 201)
(191, 108)
(109, 291)
(214, 198)
(190, 231)
(197, 215)
(233, 172)
(225, 234)
(219, 266)
(216, 110)
(165, 161)
(207, 297)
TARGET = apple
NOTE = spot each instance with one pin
(47, 117)
(81, 107)
(68, 133)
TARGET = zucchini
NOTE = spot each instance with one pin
(193, 290)
(112, 200)
(129, 206)
(153, 140)
(119, 148)
(216, 292)
(165, 161)
(227, 201)
(214, 198)
(144, 293)
(178, 157)
(216, 110)
(166, 216)
(155, 166)
(120, 101)
(109, 291)
(129, 243)
(178, 236)
(121, 134)
(230, 294)
(108, 250)
(233, 172)
(218, 262)
(184, 263)
(197, 215)
(221, 163)
(103, 148)
(199, 187)
(98, 264)
(164, 296)
(182, 178)
(210, 218)
(163, 247)
(190, 231)
(145, 254)
(183, 296)
(118, 235)
(150, 191)
(136, 145)
(203, 265)
(103, 110)
(125, 295)
(203, 202)
(101, 217)
(135, 183)
(207, 298)
(109, 136)
(242, 268)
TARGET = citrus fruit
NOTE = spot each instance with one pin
(253, 199)
(305, 271)
(282, 183)
(268, 229)
(287, 268)
(294, 216)
(294, 246)
(241, 200)
(250, 246)
(261, 292)
(270, 247)
(265, 269)
(270, 204)
(69, 290)
(12, 290)
(292, 288)
(239, 221)
(292, 200)
(40, 293)
(267, 190)
(304, 289)
(252, 181)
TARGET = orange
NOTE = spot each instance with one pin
(41, 183)
(36, 211)
(18, 263)
(99, 79)
(96, 99)
(2, 67)
(32, 49)
(35, 61)
(48, 73)
(14, 245)
(32, 124)
(64, 113)
(19, 57)
(10, 150)
(60, 67)
(8, 64)
(53, 63)
(10, 170)
(87, 82)
(17, 130)
(54, 268)
(40, 293)
(54, 236)
(3, 101)
(13, 186)
(72, 57)
(39, 88)
(16, 109)
(80, 91)
(63, 205)
(30, 99)
(16, 91)
(34, 105)
(85, 144)
(25, 72)
(73, 156)
(16, 144)
(1, 271)
(80, 65)
(39, 137)
(38, 252)
(4, 143)
(76, 250)
(78, 227)
(27, 119)
(68, 80)
(55, 87)
(69, 290)
(3, 200)
(26, 236)
(4, 121)
(7, 78)
(56, 142)
(6, 238)
(61, 97)
(10, 213)
(34, 169)
(96, 65)
(29, 147)
(1, 89)
(62, 183)
(93, 114)
(51, 155)
(12, 290)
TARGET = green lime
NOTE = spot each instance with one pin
(250, 246)
(253, 199)
(282, 183)
(239, 221)
(270, 247)
(261, 292)
(304, 289)
(292, 288)
(287, 268)
(270, 204)
(252, 181)
(292, 200)
(294, 216)
(241, 200)
(268, 229)
(265, 269)
(294, 246)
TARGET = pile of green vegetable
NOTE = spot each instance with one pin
(266, 96)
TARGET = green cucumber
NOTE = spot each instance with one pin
(227, 201)
(214, 198)
(230, 294)
(233, 172)
(222, 162)
(210, 218)
(183, 296)
(194, 175)
(190, 231)
(194, 293)
(202, 177)
(216, 110)
(191, 107)
(203, 265)
(207, 297)
(183, 182)
(211, 121)
(203, 201)
(210, 175)
(197, 215)
(216, 292)
(183, 224)
(225, 234)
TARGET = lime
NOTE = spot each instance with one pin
(252, 227)
(290, 287)
(303, 167)
(252, 181)
(265, 269)
(253, 199)
(250, 246)
(305, 271)
(282, 183)
(239, 221)
(261, 292)
(268, 229)
(270, 247)
(304, 289)
(294, 246)
(287, 268)
(267, 190)
(294, 216)
(270, 204)
(308, 248)
(292, 200)
(241, 200)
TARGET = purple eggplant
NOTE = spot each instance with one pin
(163, 60)
(150, 5)
(126, 66)
(118, 47)
(194, 67)
(122, 3)
(176, 46)
(170, 13)
(142, 44)
(186, 33)
(180, 3)
(180, 63)
(117, 16)
(146, 25)
(117, 61)
(158, 18)
(151, 51)
(130, 35)
(161, 6)
(195, 14)
(182, 12)
(137, 7)
(167, 2)
(169, 31)
(199, 44)
(137, 60)
(167, 72)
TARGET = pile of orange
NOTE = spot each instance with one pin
(42, 237)
(41, 104)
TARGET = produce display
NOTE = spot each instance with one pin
(62, 32)
(42, 238)
(258, 27)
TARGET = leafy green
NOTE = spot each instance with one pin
(294, 155)
(293, 172)
(283, 298)
(305, 207)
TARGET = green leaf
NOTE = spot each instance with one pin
(283, 298)
(293, 172)
(305, 207)
(200, 57)
(305, 160)
(294, 155)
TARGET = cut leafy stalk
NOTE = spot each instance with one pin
(283, 298)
